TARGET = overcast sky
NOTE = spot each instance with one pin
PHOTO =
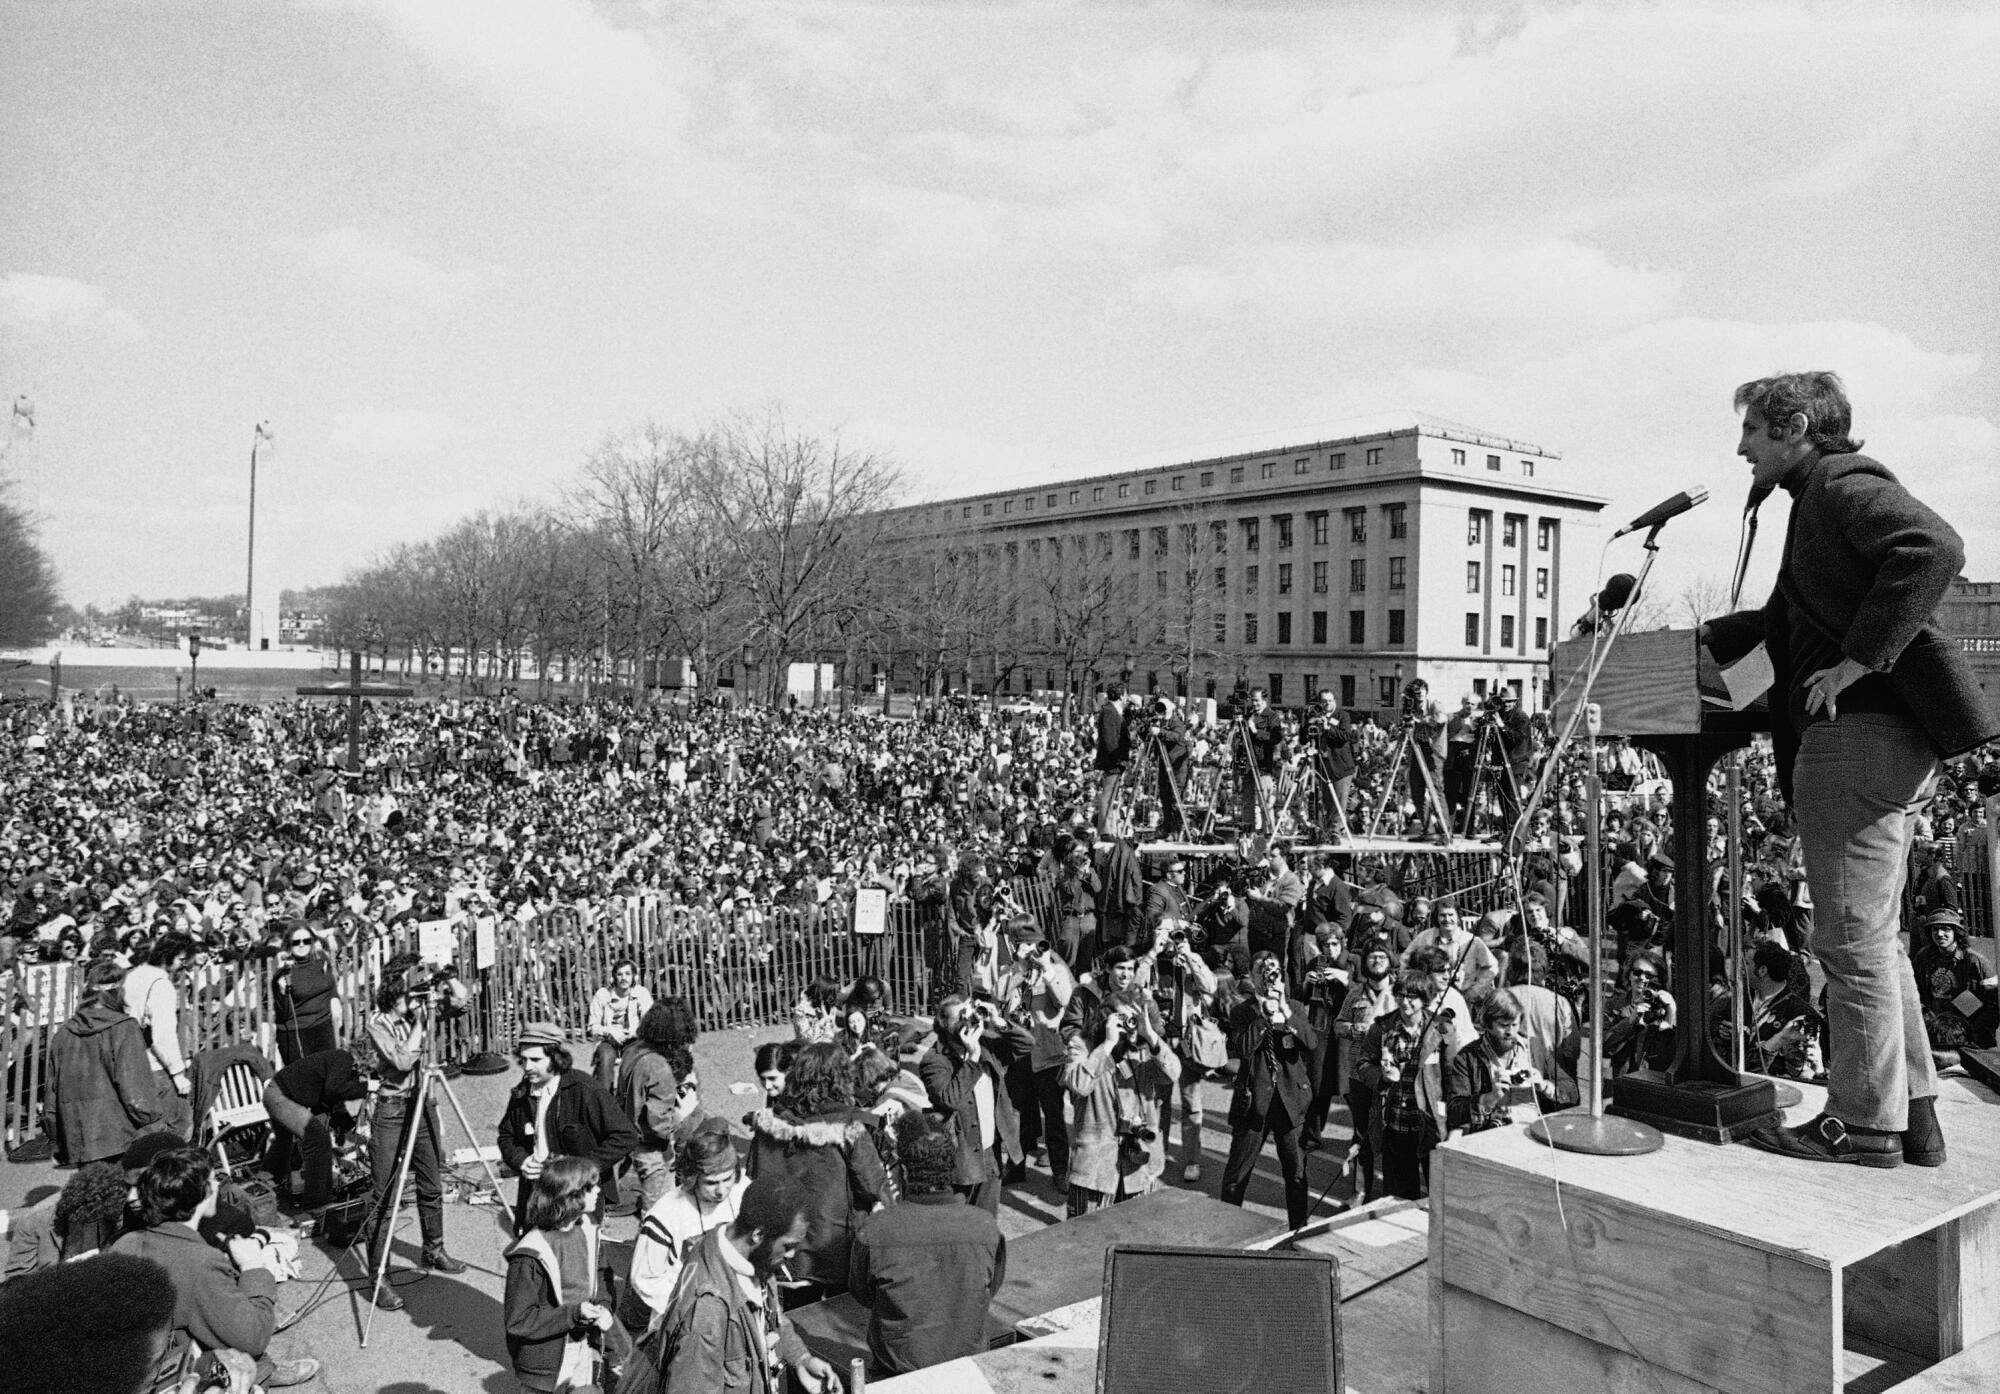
(444, 246)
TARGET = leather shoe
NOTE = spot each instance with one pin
(1827, 1139)
(386, 1300)
(438, 1261)
(291, 1372)
(1923, 1140)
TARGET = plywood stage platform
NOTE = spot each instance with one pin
(1711, 1270)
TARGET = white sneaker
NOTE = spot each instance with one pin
(1191, 1172)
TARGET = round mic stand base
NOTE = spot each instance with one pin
(1605, 1135)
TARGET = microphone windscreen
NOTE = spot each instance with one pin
(1616, 592)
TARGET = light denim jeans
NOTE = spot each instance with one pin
(1858, 785)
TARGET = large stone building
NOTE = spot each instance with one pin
(1354, 564)
(1972, 616)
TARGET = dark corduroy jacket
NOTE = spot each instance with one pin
(1868, 565)
(927, 1270)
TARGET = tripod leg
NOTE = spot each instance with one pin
(1389, 786)
(472, 1137)
(384, 1234)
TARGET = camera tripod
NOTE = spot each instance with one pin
(1323, 804)
(1434, 800)
(1167, 791)
(1239, 746)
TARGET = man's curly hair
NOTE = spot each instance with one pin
(94, 1325)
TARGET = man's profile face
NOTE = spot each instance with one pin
(536, 1065)
(1770, 460)
(773, 1252)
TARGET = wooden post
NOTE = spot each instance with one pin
(354, 692)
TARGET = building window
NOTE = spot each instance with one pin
(1397, 573)
(1208, 479)
(1124, 491)
(1457, 456)
(1097, 494)
(1219, 532)
(1397, 633)
(1472, 631)
(1267, 469)
(1506, 580)
(1221, 630)
(1132, 544)
(1385, 690)
(1319, 626)
(1152, 486)
(1399, 521)
(1251, 535)
(1282, 526)
(1337, 460)
(1510, 531)
(1319, 578)
(1179, 483)
(1357, 524)
(986, 510)
(1159, 542)
(1236, 474)
(1357, 627)
(1276, 686)
(1285, 627)
(1318, 521)
(1541, 583)
(1160, 582)
(1374, 454)
(1347, 689)
(1545, 533)
(1073, 493)
(1475, 527)
(1250, 628)
(1302, 465)
(1541, 633)
(1029, 503)
(1528, 468)
(1284, 578)
(1506, 631)
(1312, 687)
(1051, 503)
(1493, 463)
(1007, 506)
(1472, 578)
(1249, 580)
(968, 511)
(1357, 575)
(1222, 578)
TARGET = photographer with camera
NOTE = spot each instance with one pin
(1036, 986)
(1113, 754)
(1329, 739)
(1076, 892)
(1184, 992)
(1639, 1034)
(397, 1029)
(1495, 1074)
(1403, 1062)
(1166, 730)
(1511, 752)
(1263, 733)
(310, 1101)
(1423, 722)
(1275, 895)
(1121, 1073)
(1274, 1084)
(1461, 736)
(965, 1076)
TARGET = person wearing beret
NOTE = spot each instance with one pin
(558, 1111)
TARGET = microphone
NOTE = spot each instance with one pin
(1609, 602)
(1758, 493)
(1660, 513)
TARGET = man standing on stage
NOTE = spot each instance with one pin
(1868, 694)
(1114, 752)
(1269, 1033)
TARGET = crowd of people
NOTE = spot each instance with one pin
(151, 857)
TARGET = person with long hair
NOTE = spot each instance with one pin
(616, 1010)
(105, 1093)
(658, 1090)
(306, 998)
(709, 1184)
(818, 1138)
(552, 1305)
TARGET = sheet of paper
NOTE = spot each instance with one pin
(1968, 1003)
(1749, 677)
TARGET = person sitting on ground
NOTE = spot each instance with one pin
(103, 1327)
(928, 1269)
(1957, 990)
(724, 1330)
(816, 1015)
(821, 1141)
(710, 1185)
(615, 1013)
(865, 1019)
(1495, 1073)
(219, 1302)
(81, 1219)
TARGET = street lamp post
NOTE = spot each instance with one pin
(194, 663)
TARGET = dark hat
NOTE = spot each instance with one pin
(1659, 861)
(140, 1154)
(1943, 915)
(540, 1033)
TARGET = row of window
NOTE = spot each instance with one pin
(1473, 630)
(1492, 462)
(1357, 628)
(1480, 521)
(1475, 575)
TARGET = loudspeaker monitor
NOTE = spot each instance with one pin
(1218, 1321)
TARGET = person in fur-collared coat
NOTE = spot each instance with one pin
(825, 1145)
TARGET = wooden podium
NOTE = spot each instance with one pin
(1664, 692)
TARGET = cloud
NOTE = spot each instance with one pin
(409, 431)
(57, 303)
(556, 63)
(364, 262)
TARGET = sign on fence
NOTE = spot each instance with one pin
(437, 942)
(871, 911)
(485, 949)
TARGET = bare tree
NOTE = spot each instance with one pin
(1703, 598)
(28, 597)
(632, 498)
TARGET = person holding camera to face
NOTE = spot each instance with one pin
(1642, 1018)
(1037, 986)
(1403, 1061)
(965, 1076)
(398, 1029)
(1277, 1046)
(1121, 1073)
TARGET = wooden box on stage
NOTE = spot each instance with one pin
(1650, 685)
(1711, 1270)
